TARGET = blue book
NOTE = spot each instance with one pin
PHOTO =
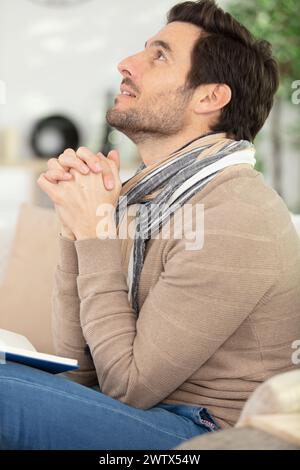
(17, 348)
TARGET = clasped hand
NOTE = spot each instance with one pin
(85, 189)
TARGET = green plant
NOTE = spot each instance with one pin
(278, 22)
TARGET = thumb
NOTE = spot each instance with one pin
(114, 156)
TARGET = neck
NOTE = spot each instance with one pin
(154, 149)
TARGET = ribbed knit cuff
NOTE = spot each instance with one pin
(96, 255)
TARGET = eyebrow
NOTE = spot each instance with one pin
(165, 45)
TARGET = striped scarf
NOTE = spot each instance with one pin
(160, 189)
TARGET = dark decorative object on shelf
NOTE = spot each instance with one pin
(52, 135)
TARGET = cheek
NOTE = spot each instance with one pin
(161, 83)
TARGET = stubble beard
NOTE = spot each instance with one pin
(163, 115)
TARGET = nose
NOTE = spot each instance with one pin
(124, 67)
(130, 66)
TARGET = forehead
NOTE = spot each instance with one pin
(180, 36)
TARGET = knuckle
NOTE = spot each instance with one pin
(66, 159)
(110, 162)
(82, 152)
(100, 157)
(56, 175)
(51, 162)
(69, 151)
(105, 164)
(50, 176)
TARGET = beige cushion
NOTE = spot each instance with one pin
(284, 426)
(274, 407)
(25, 293)
(278, 395)
(237, 439)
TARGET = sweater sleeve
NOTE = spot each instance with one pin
(66, 329)
(200, 299)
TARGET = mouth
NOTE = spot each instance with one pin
(125, 95)
(126, 92)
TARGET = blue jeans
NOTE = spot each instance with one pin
(44, 411)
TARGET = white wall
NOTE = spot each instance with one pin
(64, 59)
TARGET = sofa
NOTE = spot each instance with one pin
(28, 257)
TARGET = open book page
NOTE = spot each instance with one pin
(17, 348)
(14, 340)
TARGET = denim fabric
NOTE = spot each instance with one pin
(198, 414)
(44, 411)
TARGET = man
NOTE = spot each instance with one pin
(177, 337)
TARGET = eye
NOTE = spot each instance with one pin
(159, 54)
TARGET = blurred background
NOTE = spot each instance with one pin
(58, 76)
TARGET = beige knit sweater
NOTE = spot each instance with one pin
(214, 323)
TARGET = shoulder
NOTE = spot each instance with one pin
(237, 218)
(239, 199)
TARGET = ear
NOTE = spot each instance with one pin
(212, 97)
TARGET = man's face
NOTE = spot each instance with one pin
(156, 76)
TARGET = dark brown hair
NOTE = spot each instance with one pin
(226, 52)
